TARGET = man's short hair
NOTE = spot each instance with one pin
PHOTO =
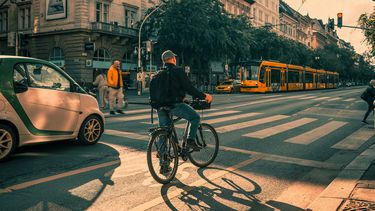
(167, 55)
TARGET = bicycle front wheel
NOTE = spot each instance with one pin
(208, 140)
(162, 157)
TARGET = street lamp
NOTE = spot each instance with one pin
(140, 32)
(139, 36)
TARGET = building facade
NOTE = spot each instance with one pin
(80, 36)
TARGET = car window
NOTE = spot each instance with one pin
(43, 76)
(227, 83)
(19, 74)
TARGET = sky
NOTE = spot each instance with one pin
(351, 9)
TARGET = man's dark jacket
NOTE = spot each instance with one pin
(180, 85)
(371, 94)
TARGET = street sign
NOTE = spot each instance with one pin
(187, 69)
(89, 46)
(11, 39)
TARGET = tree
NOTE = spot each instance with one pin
(200, 31)
(368, 21)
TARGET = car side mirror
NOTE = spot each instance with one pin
(20, 87)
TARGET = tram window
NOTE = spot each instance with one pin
(275, 76)
(261, 75)
(308, 78)
(253, 73)
(293, 77)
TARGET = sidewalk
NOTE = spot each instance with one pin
(353, 188)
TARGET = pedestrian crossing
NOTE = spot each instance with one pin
(245, 126)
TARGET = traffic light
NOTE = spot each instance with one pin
(331, 23)
(339, 19)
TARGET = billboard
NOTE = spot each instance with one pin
(55, 9)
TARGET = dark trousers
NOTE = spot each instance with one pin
(370, 108)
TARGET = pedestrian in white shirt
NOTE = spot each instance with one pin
(101, 82)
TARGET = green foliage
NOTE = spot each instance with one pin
(200, 31)
(368, 21)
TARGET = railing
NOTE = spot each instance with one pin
(113, 29)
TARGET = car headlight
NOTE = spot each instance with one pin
(228, 87)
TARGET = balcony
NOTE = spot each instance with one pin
(113, 29)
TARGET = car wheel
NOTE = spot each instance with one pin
(91, 130)
(8, 141)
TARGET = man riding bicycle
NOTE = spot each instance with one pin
(179, 86)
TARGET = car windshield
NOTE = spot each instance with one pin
(227, 83)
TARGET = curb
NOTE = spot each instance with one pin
(340, 189)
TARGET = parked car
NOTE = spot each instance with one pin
(229, 86)
(39, 102)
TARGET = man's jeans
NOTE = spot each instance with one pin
(179, 110)
(184, 111)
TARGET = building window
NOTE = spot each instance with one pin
(260, 15)
(130, 16)
(24, 18)
(102, 55)
(105, 13)
(102, 11)
(273, 20)
(4, 21)
(267, 3)
(267, 19)
(56, 54)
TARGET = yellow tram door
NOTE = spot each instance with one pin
(283, 81)
(268, 79)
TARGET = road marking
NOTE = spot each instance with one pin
(355, 140)
(56, 177)
(198, 183)
(349, 100)
(220, 113)
(321, 98)
(230, 118)
(251, 123)
(317, 133)
(261, 134)
(128, 135)
(285, 159)
(335, 98)
(264, 101)
(305, 98)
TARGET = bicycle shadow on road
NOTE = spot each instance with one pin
(231, 191)
(46, 176)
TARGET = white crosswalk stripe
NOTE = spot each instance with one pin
(317, 133)
(335, 98)
(129, 135)
(309, 97)
(220, 113)
(349, 100)
(321, 98)
(223, 119)
(248, 124)
(261, 134)
(355, 140)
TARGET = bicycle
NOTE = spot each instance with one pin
(164, 148)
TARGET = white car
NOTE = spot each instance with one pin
(39, 102)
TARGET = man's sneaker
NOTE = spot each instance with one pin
(364, 121)
(112, 113)
(165, 169)
(191, 144)
(120, 112)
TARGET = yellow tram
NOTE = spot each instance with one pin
(270, 76)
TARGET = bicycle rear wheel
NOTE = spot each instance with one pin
(208, 140)
(162, 157)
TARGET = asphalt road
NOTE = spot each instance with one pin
(277, 151)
